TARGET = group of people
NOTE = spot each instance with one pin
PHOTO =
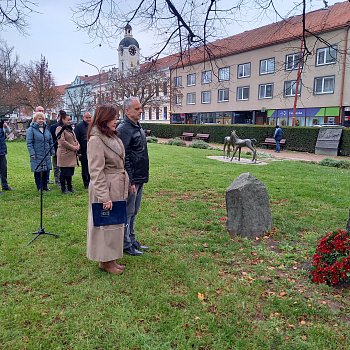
(119, 167)
(60, 142)
(115, 166)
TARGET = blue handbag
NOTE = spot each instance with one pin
(104, 217)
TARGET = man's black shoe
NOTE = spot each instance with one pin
(137, 245)
(132, 251)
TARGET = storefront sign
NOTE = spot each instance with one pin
(304, 112)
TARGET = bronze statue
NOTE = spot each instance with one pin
(239, 143)
(227, 146)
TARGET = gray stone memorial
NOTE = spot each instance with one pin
(328, 140)
(248, 207)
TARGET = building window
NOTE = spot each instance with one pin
(177, 81)
(206, 96)
(265, 91)
(324, 85)
(290, 88)
(224, 73)
(292, 61)
(206, 77)
(157, 113)
(165, 88)
(326, 55)
(243, 70)
(178, 100)
(191, 79)
(223, 95)
(165, 113)
(150, 113)
(191, 98)
(243, 93)
(267, 66)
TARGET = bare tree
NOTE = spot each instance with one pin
(13, 92)
(149, 84)
(41, 85)
(80, 99)
(14, 13)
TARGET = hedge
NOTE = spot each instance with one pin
(302, 139)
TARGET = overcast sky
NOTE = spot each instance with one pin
(53, 34)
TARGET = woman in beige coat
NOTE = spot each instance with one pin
(67, 149)
(108, 182)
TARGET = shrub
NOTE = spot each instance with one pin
(200, 144)
(176, 142)
(344, 164)
(152, 139)
(331, 262)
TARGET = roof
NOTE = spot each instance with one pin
(62, 88)
(320, 21)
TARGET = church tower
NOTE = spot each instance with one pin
(128, 51)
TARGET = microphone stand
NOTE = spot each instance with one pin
(41, 230)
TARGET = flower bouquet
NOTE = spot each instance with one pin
(331, 262)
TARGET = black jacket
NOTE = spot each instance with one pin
(53, 128)
(81, 132)
(136, 152)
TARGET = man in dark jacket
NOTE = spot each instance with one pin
(53, 127)
(278, 137)
(137, 166)
(3, 151)
(81, 133)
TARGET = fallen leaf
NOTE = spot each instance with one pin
(201, 296)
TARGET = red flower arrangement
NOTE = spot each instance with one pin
(331, 262)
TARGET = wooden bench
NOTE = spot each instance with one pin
(203, 137)
(187, 136)
(270, 141)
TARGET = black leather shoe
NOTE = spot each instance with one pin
(137, 245)
(132, 251)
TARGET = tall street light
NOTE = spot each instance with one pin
(99, 70)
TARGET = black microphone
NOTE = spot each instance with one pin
(64, 127)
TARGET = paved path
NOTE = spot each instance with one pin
(288, 155)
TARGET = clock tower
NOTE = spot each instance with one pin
(128, 51)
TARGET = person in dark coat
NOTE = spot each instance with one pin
(137, 166)
(53, 127)
(81, 132)
(39, 142)
(3, 151)
(278, 137)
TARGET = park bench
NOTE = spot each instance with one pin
(270, 141)
(203, 137)
(187, 136)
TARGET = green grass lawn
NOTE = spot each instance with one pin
(196, 288)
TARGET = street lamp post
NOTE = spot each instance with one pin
(99, 70)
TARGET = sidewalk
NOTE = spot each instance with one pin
(284, 155)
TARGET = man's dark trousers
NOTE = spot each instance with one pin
(3, 172)
(132, 208)
(85, 170)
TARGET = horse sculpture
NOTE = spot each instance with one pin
(227, 146)
(239, 143)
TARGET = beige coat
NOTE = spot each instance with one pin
(108, 181)
(66, 153)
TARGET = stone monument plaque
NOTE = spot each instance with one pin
(328, 141)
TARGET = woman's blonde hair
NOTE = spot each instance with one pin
(38, 114)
